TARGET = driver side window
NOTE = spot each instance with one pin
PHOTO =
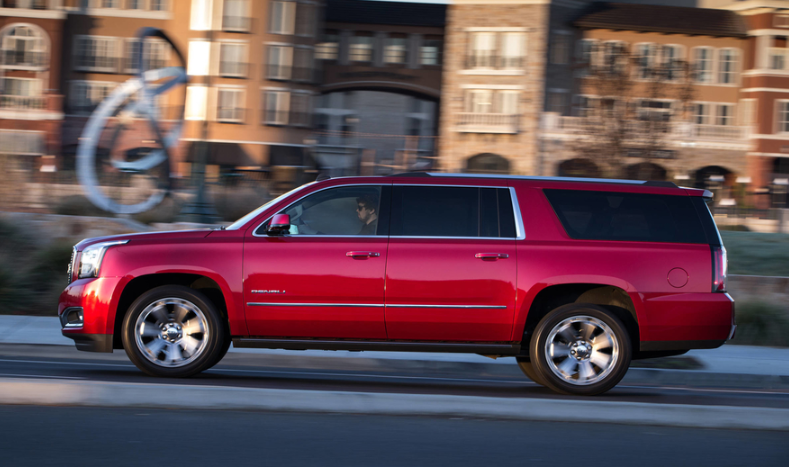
(351, 210)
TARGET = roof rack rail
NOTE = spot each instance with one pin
(660, 183)
(411, 174)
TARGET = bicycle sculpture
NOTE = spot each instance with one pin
(134, 98)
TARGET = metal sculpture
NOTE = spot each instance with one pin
(146, 86)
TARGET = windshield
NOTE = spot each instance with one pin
(239, 223)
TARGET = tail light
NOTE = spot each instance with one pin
(719, 268)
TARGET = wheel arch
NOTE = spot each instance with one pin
(141, 284)
(612, 297)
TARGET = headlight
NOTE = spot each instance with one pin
(90, 260)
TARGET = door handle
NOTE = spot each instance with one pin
(494, 256)
(362, 254)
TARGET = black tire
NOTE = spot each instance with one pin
(179, 311)
(591, 351)
(528, 369)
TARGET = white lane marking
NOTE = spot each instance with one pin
(669, 388)
(40, 376)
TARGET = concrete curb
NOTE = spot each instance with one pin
(103, 394)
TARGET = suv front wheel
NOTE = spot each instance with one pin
(580, 349)
(173, 331)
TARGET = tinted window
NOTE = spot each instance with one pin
(433, 211)
(596, 215)
(351, 210)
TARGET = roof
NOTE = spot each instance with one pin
(393, 13)
(665, 19)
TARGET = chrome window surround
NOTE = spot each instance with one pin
(520, 233)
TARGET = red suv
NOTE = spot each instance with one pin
(573, 277)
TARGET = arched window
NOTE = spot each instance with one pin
(646, 171)
(23, 46)
(727, 66)
(488, 163)
(579, 168)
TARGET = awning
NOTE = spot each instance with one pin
(226, 154)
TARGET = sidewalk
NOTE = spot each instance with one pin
(727, 360)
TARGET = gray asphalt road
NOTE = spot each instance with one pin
(334, 374)
(59, 436)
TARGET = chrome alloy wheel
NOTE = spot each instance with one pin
(171, 332)
(582, 350)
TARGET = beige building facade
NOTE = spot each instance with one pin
(493, 85)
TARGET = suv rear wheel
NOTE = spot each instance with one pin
(528, 369)
(580, 349)
(173, 331)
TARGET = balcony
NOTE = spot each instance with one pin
(230, 114)
(675, 131)
(233, 69)
(23, 59)
(471, 122)
(231, 23)
(495, 62)
(11, 102)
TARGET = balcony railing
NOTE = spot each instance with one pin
(236, 23)
(284, 117)
(29, 4)
(493, 61)
(10, 102)
(97, 63)
(302, 73)
(471, 122)
(278, 72)
(233, 69)
(148, 64)
(673, 130)
(16, 58)
(230, 114)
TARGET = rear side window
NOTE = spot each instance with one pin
(436, 211)
(597, 215)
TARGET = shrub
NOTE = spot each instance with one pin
(78, 205)
(762, 324)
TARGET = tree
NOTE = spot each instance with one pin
(640, 100)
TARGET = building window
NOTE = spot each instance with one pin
(585, 106)
(135, 5)
(614, 59)
(233, 59)
(302, 64)
(702, 64)
(305, 19)
(327, 48)
(199, 58)
(557, 102)
(300, 114)
(277, 107)
(280, 62)
(513, 50)
(778, 54)
(725, 114)
(158, 5)
(701, 113)
(202, 13)
(560, 48)
(483, 50)
(486, 101)
(496, 50)
(23, 47)
(646, 57)
(22, 143)
(361, 49)
(783, 116)
(671, 61)
(236, 16)
(230, 105)
(431, 52)
(727, 59)
(96, 53)
(654, 110)
(109, 3)
(283, 18)
(396, 50)
(87, 95)
(154, 55)
(196, 102)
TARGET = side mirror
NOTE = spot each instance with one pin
(279, 225)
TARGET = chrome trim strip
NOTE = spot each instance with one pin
(485, 307)
(353, 305)
(520, 231)
(72, 326)
(374, 305)
(301, 344)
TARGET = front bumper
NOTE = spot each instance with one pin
(98, 300)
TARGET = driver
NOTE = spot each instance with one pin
(367, 210)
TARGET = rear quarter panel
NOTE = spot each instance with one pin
(548, 256)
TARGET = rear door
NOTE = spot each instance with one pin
(450, 273)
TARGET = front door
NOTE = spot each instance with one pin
(324, 279)
(450, 272)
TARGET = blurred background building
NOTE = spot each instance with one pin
(696, 92)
